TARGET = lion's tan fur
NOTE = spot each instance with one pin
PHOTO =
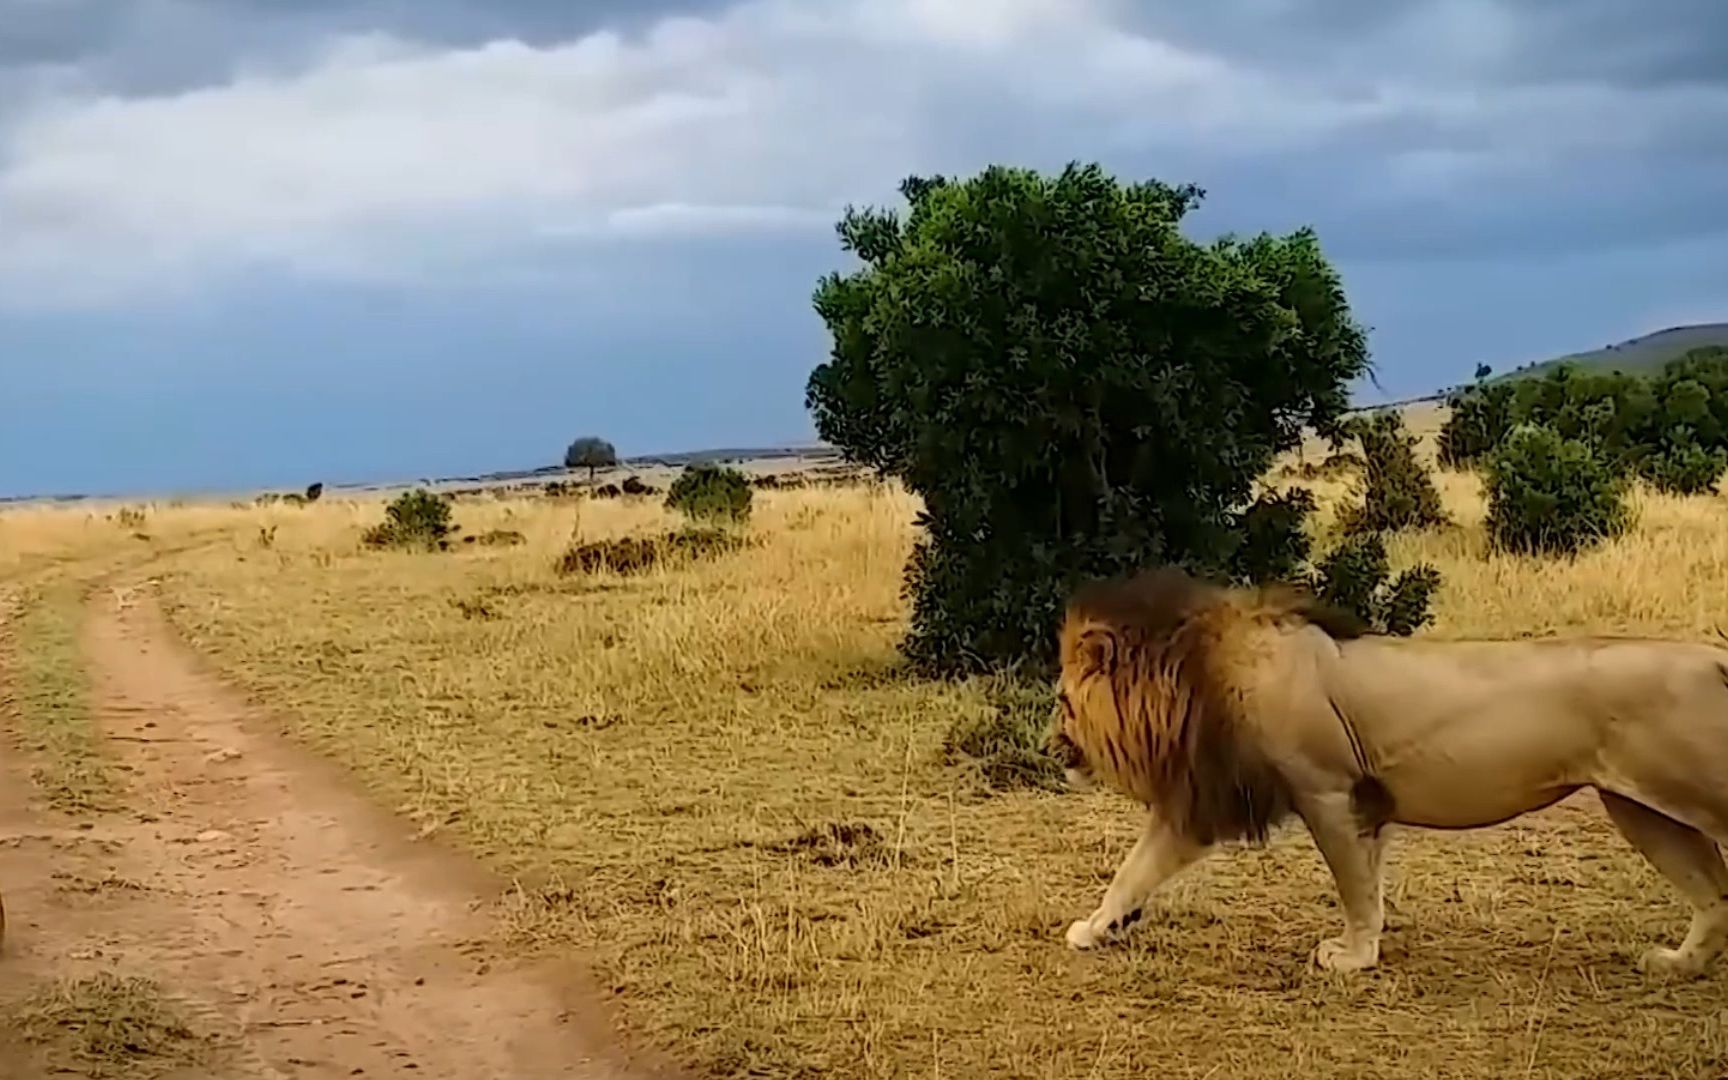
(1226, 710)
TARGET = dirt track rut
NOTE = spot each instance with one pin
(255, 882)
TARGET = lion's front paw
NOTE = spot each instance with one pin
(1342, 954)
(1082, 936)
(1671, 963)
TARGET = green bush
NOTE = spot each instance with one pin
(417, 520)
(1072, 388)
(711, 493)
(1683, 467)
(1396, 492)
(1548, 494)
(1356, 577)
(1480, 417)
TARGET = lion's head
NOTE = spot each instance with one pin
(1148, 702)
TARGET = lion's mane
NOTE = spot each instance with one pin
(1170, 646)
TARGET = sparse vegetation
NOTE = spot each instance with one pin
(723, 785)
(1005, 741)
(711, 493)
(761, 759)
(72, 768)
(111, 1025)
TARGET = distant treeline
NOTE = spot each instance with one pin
(1669, 427)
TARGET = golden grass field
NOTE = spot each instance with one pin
(714, 779)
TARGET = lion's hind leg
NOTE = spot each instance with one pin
(1691, 861)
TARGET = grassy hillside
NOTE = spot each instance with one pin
(1636, 356)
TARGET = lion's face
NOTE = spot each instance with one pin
(1083, 702)
(1060, 745)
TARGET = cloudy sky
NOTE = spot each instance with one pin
(250, 242)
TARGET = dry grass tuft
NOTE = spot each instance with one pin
(1005, 743)
(848, 844)
(111, 1025)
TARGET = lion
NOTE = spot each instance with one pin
(1228, 711)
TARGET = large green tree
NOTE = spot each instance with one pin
(1074, 388)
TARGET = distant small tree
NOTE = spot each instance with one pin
(314, 491)
(1483, 371)
(590, 453)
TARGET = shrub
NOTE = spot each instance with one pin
(1071, 387)
(1551, 495)
(416, 520)
(1354, 576)
(709, 493)
(636, 554)
(314, 492)
(1274, 544)
(1396, 491)
(1006, 744)
(590, 453)
(633, 485)
(1480, 417)
(1683, 467)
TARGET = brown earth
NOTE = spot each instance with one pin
(305, 932)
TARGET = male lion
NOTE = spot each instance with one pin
(1226, 711)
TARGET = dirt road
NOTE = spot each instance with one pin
(290, 915)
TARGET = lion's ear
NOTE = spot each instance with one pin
(1097, 652)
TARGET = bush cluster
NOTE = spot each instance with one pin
(1669, 429)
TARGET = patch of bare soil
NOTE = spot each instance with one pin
(293, 928)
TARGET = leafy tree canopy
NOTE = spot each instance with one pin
(1074, 388)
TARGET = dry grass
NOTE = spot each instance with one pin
(52, 699)
(714, 776)
(109, 1025)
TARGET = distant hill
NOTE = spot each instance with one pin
(1638, 356)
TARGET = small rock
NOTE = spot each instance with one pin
(211, 836)
(227, 753)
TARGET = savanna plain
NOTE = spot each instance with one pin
(714, 781)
